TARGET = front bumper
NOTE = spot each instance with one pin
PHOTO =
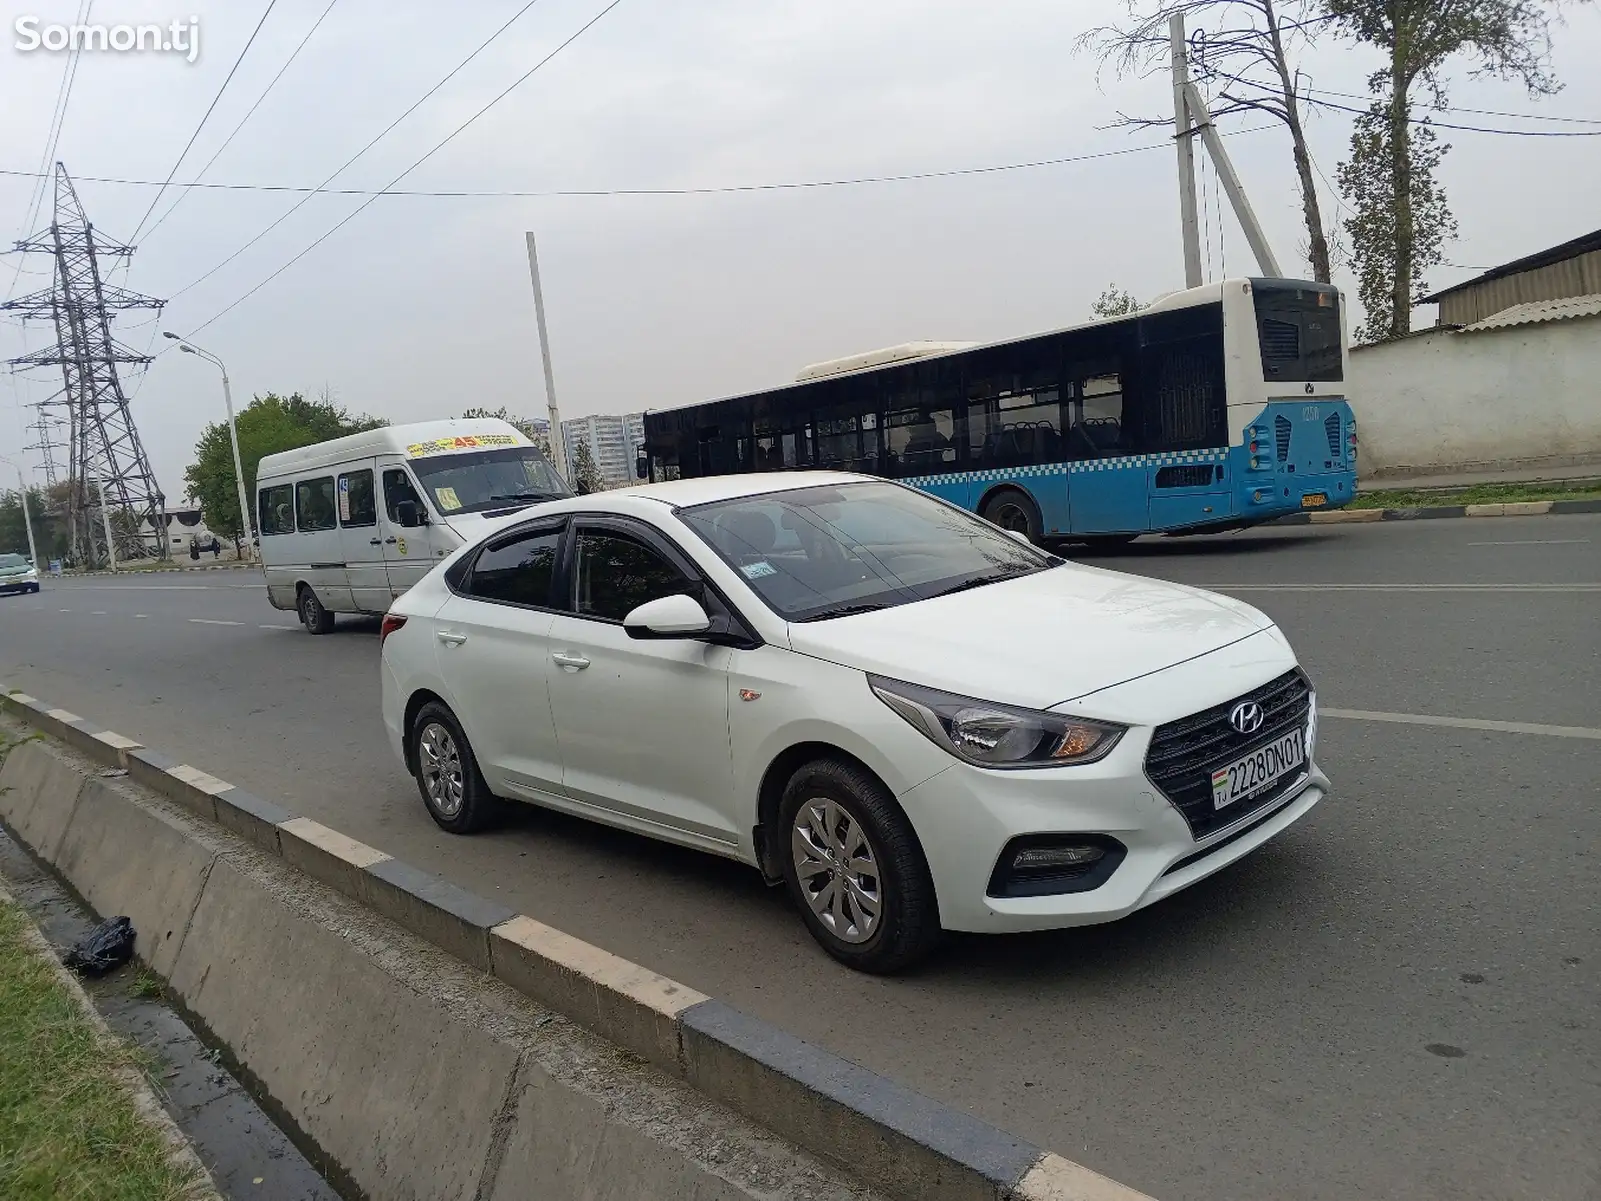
(26, 583)
(979, 812)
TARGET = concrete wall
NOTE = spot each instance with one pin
(1444, 400)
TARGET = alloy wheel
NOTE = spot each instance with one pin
(439, 764)
(837, 867)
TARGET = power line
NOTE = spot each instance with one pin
(438, 146)
(187, 188)
(271, 4)
(58, 120)
(1480, 112)
(709, 190)
(484, 45)
(1511, 133)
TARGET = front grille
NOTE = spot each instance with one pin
(1184, 753)
(1331, 427)
(1281, 436)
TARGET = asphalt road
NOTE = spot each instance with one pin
(1399, 998)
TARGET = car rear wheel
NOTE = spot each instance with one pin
(1014, 511)
(446, 770)
(855, 870)
(313, 615)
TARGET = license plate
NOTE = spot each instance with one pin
(1258, 771)
(1314, 500)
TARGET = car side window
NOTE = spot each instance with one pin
(517, 571)
(357, 506)
(314, 504)
(614, 573)
(397, 487)
(275, 512)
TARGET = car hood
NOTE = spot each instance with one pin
(1038, 640)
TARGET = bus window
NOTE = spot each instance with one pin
(919, 441)
(1014, 418)
(1099, 429)
(848, 443)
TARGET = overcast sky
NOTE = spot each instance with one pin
(421, 307)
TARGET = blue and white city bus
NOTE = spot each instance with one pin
(1213, 409)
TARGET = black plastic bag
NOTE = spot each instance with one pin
(109, 945)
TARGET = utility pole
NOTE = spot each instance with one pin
(1246, 216)
(558, 442)
(1184, 139)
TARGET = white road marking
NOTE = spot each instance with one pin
(65, 610)
(139, 616)
(1537, 542)
(212, 621)
(97, 613)
(1402, 587)
(277, 627)
(1465, 723)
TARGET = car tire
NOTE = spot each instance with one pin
(34, 589)
(313, 615)
(830, 812)
(446, 770)
(1015, 511)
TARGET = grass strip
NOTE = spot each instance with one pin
(1475, 494)
(69, 1128)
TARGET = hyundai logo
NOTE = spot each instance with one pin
(1246, 717)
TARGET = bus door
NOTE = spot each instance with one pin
(1108, 486)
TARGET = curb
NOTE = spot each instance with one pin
(1511, 508)
(234, 565)
(892, 1138)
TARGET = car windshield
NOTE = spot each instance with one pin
(8, 562)
(822, 552)
(487, 479)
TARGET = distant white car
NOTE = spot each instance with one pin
(18, 574)
(914, 720)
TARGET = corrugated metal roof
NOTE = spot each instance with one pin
(1539, 310)
(1543, 258)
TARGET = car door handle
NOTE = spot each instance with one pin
(389, 541)
(374, 542)
(450, 639)
(570, 661)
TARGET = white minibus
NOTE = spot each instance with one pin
(349, 524)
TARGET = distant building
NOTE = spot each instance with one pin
(1506, 379)
(1563, 272)
(613, 441)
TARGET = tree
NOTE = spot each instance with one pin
(49, 529)
(1114, 302)
(1510, 39)
(539, 436)
(267, 425)
(586, 476)
(1243, 50)
(1368, 181)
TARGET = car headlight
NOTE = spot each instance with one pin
(992, 735)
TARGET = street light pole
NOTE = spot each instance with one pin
(27, 522)
(233, 438)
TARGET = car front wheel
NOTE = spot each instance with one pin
(452, 787)
(855, 870)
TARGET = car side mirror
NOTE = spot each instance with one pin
(641, 466)
(668, 617)
(409, 514)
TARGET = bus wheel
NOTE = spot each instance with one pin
(1015, 511)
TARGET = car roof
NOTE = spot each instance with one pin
(685, 493)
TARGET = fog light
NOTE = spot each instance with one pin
(1034, 859)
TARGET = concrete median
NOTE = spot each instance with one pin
(405, 1025)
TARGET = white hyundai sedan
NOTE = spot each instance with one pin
(908, 717)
